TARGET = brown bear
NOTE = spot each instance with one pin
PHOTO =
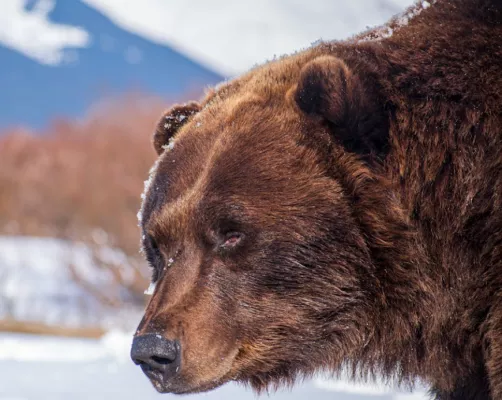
(339, 207)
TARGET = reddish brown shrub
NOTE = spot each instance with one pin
(80, 179)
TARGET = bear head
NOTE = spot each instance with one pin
(269, 229)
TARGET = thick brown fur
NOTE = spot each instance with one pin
(364, 181)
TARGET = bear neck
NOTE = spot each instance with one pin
(401, 304)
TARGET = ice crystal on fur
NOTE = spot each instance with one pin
(151, 289)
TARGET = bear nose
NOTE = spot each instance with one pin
(158, 357)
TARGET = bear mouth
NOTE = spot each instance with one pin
(177, 384)
(156, 378)
(161, 384)
(173, 387)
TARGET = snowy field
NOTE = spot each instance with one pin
(48, 368)
(39, 282)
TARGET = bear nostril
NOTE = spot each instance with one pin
(161, 360)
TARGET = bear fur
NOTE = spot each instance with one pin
(339, 207)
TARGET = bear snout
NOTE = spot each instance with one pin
(158, 357)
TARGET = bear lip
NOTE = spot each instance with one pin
(177, 386)
(172, 387)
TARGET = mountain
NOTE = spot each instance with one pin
(59, 56)
(65, 81)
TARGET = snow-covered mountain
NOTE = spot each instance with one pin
(58, 56)
(231, 36)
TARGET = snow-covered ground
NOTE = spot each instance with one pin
(47, 368)
(39, 281)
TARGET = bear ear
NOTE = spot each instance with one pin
(171, 121)
(331, 92)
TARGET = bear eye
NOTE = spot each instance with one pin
(231, 240)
